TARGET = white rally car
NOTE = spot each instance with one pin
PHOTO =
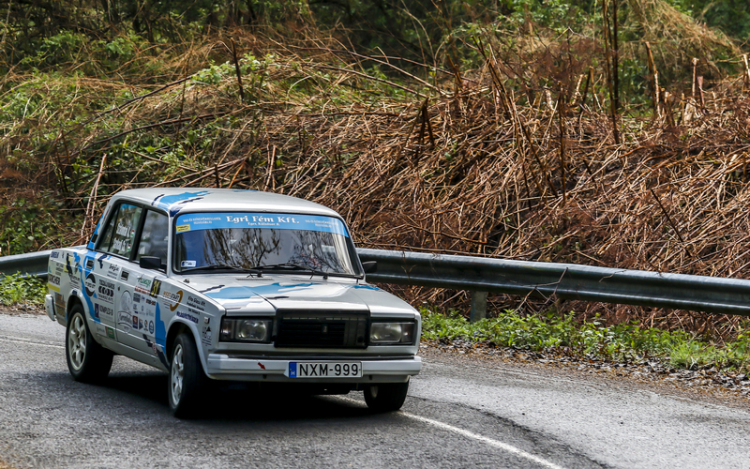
(223, 284)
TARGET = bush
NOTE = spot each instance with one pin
(16, 289)
(619, 342)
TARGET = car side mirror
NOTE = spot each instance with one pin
(150, 262)
(370, 267)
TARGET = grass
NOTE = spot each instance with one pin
(16, 289)
(552, 332)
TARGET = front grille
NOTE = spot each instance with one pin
(325, 329)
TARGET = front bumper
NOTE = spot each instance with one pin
(221, 366)
(49, 306)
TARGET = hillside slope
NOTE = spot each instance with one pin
(471, 160)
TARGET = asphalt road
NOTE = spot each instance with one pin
(459, 414)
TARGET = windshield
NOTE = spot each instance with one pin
(246, 240)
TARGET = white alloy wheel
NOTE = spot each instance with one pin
(87, 360)
(77, 342)
(187, 383)
(177, 374)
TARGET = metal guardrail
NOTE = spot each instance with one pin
(481, 275)
(33, 264)
(568, 281)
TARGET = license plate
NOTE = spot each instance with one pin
(325, 370)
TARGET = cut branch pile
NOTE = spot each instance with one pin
(466, 167)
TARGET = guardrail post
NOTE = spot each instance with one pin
(478, 306)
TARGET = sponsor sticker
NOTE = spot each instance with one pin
(59, 302)
(110, 332)
(103, 311)
(206, 335)
(54, 254)
(211, 221)
(143, 285)
(113, 270)
(195, 303)
(173, 299)
(125, 316)
(188, 263)
(182, 229)
(90, 284)
(187, 316)
(151, 327)
(124, 320)
(155, 288)
(106, 290)
(53, 282)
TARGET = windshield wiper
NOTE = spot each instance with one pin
(294, 267)
(223, 267)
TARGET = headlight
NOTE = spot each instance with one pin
(392, 333)
(245, 330)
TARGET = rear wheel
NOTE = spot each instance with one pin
(187, 382)
(387, 397)
(88, 361)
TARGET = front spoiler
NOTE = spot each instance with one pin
(221, 366)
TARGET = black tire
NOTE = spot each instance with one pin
(88, 362)
(187, 382)
(386, 397)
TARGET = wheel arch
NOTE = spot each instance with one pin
(72, 302)
(175, 329)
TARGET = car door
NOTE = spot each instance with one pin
(146, 286)
(117, 242)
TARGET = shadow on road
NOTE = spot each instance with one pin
(230, 401)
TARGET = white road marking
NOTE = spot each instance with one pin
(484, 439)
(474, 436)
(29, 342)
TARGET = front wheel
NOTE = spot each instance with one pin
(187, 382)
(387, 397)
(88, 361)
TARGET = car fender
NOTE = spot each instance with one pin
(176, 322)
(76, 293)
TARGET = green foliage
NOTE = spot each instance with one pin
(16, 289)
(90, 57)
(731, 16)
(558, 15)
(26, 226)
(620, 342)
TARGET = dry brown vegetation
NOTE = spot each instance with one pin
(473, 161)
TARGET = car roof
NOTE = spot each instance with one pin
(195, 199)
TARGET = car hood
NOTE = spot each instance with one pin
(270, 293)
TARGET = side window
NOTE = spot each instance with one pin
(120, 234)
(154, 237)
(107, 232)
